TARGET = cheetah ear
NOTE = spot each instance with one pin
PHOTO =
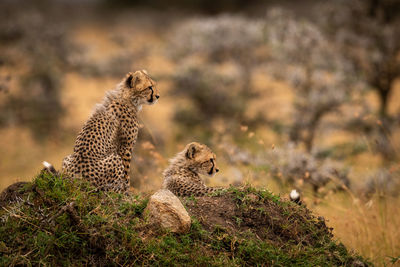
(191, 151)
(128, 80)
(131, 80)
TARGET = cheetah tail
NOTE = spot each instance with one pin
(295, 197)
(49, 168)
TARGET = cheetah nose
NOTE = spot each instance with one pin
(216, 170)
(157, 96)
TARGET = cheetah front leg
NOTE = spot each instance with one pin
(127, 142)
(126, 161)
(182, 187)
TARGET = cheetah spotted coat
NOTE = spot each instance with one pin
(103, 148)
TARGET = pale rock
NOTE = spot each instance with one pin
(165, 209)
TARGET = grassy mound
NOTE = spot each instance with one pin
(54, 221)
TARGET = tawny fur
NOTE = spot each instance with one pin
(103, 148)
(182, 175)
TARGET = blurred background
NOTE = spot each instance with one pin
(288, 94)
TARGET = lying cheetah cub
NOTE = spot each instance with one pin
(182, 175)
(103, 148)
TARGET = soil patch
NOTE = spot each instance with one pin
(241, 210)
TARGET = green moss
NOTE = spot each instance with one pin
(109, 229)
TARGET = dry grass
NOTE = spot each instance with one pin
(372, 227)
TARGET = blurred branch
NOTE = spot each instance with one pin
(321, 78)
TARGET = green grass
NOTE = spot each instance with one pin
(63, 222)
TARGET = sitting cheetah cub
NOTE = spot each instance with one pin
(182, 175)
(103, 148)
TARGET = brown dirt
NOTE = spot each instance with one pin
(278, 222)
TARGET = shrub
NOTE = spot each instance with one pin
(292, 165)
(40, 50)
(217, 57)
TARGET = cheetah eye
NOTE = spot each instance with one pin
(150, 87)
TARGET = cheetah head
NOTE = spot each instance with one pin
(140, 89)
(201, 159)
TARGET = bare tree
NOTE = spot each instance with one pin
(321, 78)
(368, 33)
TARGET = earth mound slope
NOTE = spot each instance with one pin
(54, 221)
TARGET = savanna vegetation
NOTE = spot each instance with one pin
(287, 94)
